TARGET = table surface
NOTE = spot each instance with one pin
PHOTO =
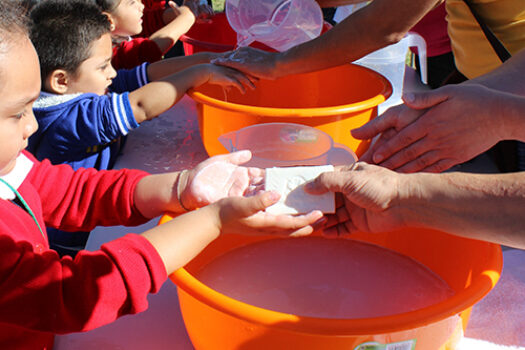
(172, 142)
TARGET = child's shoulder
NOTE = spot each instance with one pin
(48, 100)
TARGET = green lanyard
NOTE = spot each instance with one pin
(26, 206)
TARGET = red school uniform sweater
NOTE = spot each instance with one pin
(42, 294)
(131, 53)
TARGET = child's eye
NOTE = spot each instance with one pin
(20, 115)
(104, 67)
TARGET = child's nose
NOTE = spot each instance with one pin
(112, 73)
(31, 126)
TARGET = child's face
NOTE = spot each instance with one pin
(127, 18)
(19, 88)
(96, 73)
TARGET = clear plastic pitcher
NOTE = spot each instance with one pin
(390, 61)
(287, 144)
(280, 24)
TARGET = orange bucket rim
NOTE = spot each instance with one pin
(459, 302)
(372, 102)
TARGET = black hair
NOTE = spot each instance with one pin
(107, 5)
(63, 32)
(12, 21)
(29, 4)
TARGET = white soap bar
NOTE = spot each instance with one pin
(289, 183)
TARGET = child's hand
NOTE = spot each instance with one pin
(244, 215)
(219, 177)
(200, 9)
(229, 77)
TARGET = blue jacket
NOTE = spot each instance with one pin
(86, 130)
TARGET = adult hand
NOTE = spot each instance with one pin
(368, 198)
(436, 130)
(219, 177)
(255, 62)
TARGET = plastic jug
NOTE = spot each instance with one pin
(280, 24)
(390, 62)
(287, 144)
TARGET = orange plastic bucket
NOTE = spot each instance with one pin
(216, 35)
(333, 100)
(471, 268)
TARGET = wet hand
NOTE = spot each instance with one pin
(228, 77)
(366, 201)
(219, 177)
(435, 130)
(245, 215)
(255, 62)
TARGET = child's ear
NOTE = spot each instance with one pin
(57, 82)
(111, 21)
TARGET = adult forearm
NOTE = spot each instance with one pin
(509, 77)
(479, 206)
(381, 23)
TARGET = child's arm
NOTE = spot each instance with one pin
(168, 66)
(181, 21)
(181, 239)
(211, 180)
(156, 97)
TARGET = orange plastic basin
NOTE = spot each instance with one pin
(216, 35)
(334, 100)
(215, 321)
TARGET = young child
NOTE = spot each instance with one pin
(43, 294)
(158, 28)
(79, 124)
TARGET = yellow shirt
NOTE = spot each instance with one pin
(472, 51)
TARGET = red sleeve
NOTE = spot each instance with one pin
(86, 198)
(40, 291)
(43, 292)
(152, 18)
(129, 54)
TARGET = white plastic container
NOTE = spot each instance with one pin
(280, 24)
(390, 62)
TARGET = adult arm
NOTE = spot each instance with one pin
(478, 206)
(435, 130)
(381, 23)
(438, 129)
(509, 77)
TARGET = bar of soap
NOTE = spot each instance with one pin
(289, 183)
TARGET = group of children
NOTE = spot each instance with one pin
(84, 109)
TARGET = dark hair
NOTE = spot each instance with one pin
(107, 5)
(63, 32)
(12, 20)
(29, 4)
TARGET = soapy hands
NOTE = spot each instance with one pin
(367, 198)
(220, 177)
(436, 130)
(228, 77)
(242, 215)
(255, 62)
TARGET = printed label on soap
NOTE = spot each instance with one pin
(402, 345)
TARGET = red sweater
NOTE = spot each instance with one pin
(42, 294)
(132, 53)
(129, 54)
